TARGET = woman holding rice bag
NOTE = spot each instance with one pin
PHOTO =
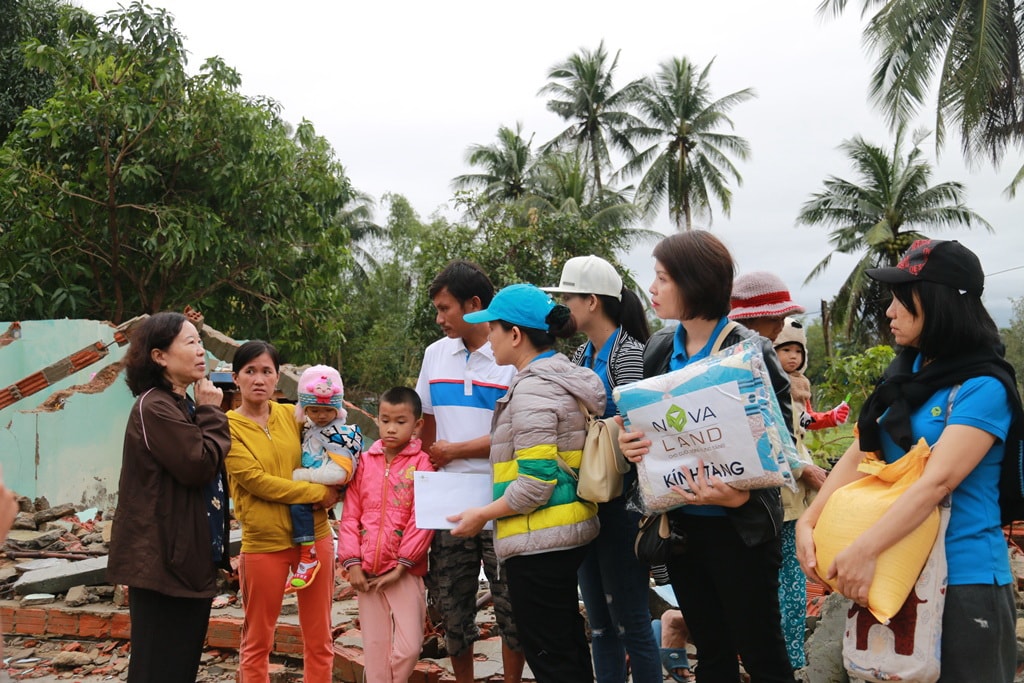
(950, 386)
(727, 580)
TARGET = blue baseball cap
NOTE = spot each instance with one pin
(523, 305)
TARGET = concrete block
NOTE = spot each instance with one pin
(61, 578)
(33, 599)
(77, 596)
(50, 514)
(32, 540)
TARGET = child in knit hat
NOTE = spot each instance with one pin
(330, 454)
(791, 348)
(761, 302)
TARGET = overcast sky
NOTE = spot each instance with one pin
(401, 89)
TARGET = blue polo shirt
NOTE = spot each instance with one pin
(975, 547)
(680, 359)
(599, 364)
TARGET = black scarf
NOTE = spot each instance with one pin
(902, 391)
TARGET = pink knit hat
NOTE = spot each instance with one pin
(761, 294)
(320, 385)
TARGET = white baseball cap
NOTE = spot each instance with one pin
(588, 275)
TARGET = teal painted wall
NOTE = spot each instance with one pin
(71, 455)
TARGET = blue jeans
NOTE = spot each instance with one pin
(614, 585)
(302, 523)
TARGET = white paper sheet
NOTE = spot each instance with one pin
(439, 495)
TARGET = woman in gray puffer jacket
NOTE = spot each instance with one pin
(542, 527)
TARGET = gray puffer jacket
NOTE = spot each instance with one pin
(537, 422)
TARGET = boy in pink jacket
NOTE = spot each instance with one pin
(381, 547)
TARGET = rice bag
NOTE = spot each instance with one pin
(721, 410)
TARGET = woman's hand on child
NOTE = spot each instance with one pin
(813, 476)
(329, 500)
(469, 523)
(632, 444)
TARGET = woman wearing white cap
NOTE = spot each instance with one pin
(537, 435)
(613, 583)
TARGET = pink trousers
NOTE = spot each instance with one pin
(391, 621)
(262, 577)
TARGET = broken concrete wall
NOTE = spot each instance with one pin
(57, 443)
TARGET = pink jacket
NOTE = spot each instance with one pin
(377, 527)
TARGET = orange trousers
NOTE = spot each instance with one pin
(262, 577)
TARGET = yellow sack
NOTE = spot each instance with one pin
(853, 508)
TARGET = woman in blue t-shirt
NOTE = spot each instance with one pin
(950, 386)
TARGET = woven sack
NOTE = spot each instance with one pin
(854, 508)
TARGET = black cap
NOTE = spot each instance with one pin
(943, 262)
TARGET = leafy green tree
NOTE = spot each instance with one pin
(582, 92)
(506, 167)
(689, 160)
(137, 188)
(24, 87)
(1013, 337)
(975, 50)
(877, 216)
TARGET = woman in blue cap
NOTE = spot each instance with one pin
(542, 527)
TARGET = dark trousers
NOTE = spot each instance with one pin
(546, 609)
(167, 636)
(979, 644)
(729, 596)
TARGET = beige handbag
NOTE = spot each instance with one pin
(602, 464)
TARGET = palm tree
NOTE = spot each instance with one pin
(878, 216)
(688, 161)
(507, 167)
(977, 48)
(356, 215)
(582, 92)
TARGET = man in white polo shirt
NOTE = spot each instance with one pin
(459, 384)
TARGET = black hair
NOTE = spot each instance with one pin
(254, 349)
(158, 331)
(397, 396)
(463, 280)
(702, 269)
(627, 313)
(954, 323)
(561, 325)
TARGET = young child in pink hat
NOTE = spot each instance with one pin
(330, 454)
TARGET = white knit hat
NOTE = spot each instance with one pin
(761, 295)
(320, 385)
(588, 275)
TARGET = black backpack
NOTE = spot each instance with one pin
(1011, 475)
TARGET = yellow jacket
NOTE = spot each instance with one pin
(259, 466)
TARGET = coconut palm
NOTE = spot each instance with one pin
(506, 167)
(582, 93)
(977, 49)
(877, 216)
(357, 217)
(689, 160)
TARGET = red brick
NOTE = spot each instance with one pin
(120, 625)
(62, 623)
(224, 632)
(93, 626)
(30, 620)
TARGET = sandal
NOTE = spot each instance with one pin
(677, 664)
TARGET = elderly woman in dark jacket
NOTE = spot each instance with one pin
(170, 530)
(727, 581)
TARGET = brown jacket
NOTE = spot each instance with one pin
(161, 535)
